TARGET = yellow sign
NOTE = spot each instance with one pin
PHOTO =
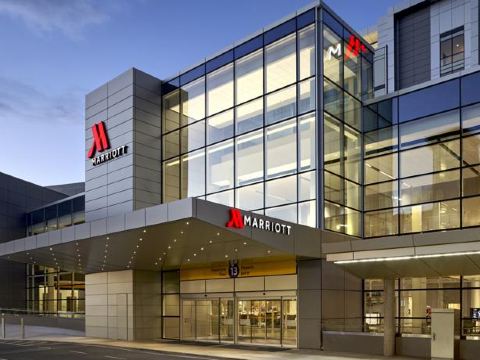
(248, 268)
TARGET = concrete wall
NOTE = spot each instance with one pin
(123, 305)
(129, 105)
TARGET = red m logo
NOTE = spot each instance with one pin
(354, 47)
(236, 220)
(100, 139)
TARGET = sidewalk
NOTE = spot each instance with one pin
(213, 350)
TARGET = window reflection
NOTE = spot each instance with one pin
(307, 135)
(249, 197)
(306, 51)
(332, 56)
(220, 89)
(220, 166)
(249, 158)
(281, 191)
(193, 101)
(281, 63)
(427, 217)
(193, 136)
(171, 111)
(286, 213)
(281, 105)
(281, 144)
(220, 127)
(171, 180)
(249, 116)
(249, 77)
(306, 93)
(193, 174)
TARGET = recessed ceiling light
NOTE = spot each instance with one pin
(218, 234)
(211, 241)
(144, 230)
(226, 256)
(202, 249)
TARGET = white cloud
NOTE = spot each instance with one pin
(68, 16)
(25, 103)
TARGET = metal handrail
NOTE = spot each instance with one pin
(17, 312)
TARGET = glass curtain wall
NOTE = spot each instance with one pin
(422, 162)
(416, 297)
(55, 292)
(347, 78)
(242, 132)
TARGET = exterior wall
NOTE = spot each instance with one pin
(16, 198)
(130, 107)
(445, 15)
(123, 305)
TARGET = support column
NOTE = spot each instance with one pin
(389, 317)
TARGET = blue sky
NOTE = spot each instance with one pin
(53, 52)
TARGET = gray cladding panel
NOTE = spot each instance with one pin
(111, 186)
(413, 47)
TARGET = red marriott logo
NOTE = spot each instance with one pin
(101, 143)
(354, 47)
(100, 139)
(239, 221)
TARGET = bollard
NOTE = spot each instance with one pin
(4, 335)
(22, 328)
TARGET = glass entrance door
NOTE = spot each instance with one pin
(188, 320)
(227, 315)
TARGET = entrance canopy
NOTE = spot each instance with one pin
(166, 236)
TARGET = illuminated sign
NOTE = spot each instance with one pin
(353, 49)
(238, 221)
(101, 143)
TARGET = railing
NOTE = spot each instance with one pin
(63, 314)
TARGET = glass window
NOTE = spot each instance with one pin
(353, 221)
(171, 180)
(352, 195)
(432, 187)
(307, 213)
(431, 129)
(224, 198)
(333, 152)
(306, 52)
(306, 186)
(381, 223)
(249, 116)
(306, 129)
(427, 217)
(381, 196)
(220, 90)
(249, 197)
(306, 93)
(471, 150)
(285, 213)
(332, 56)
(471, 119)
(429, 159)
(249, 161)
(352, 154)
(281, 145)
(171, 111)
(425, 102)
(281, 191)
(381, 168)
(51, 217)
(334, 188)
(249, 77)
(452, 51)
(352, 70)
(471, 180)
(368, 77)
(193, 101)
(334, 217)
(64, 214)
(281, 105)
(220, 127)
(193, 136)
(171, 144)
(353, 111)
(333, 99)
(381, 141)
(471, 211)
(281, 63)
(193, 174)
(220, 166)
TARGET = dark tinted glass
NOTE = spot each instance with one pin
(219, 61)
(249, 46)
(169, 87)
(64, 208)
(305, 19)
(332, 23)
(51, 212)
(388, 110)
(79, 204)
(192, 74)
(429, 101)
(470, 86)
(280, 31)
(37, 216)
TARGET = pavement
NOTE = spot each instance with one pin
(57, 345)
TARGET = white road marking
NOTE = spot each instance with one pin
(113, 357)
(78, 352)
